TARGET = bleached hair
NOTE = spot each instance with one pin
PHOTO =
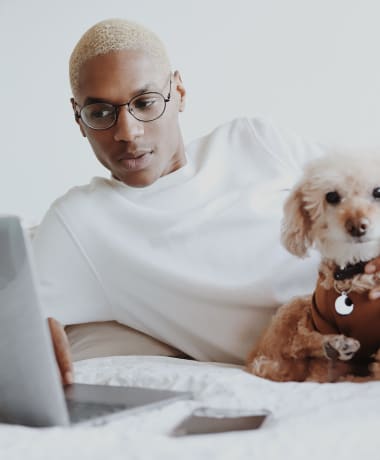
(114, 35)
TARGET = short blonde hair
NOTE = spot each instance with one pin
(114, 35)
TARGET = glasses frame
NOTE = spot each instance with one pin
(78, 115)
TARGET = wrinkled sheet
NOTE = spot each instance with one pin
(308, 421)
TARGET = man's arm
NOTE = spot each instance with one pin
(69, 287)
(62, 351)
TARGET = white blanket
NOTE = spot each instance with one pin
(308, 421)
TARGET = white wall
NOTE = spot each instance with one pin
(311, 66)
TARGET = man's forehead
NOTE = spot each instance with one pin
(127, 72)
(113, 95)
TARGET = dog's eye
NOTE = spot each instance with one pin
(333, 197)
(376, 192)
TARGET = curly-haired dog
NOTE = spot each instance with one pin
(334, 333)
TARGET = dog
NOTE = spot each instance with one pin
(334, 333)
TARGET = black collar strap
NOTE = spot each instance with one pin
(349, 271)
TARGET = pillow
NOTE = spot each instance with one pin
(109, 338)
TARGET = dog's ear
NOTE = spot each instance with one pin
(296, 223)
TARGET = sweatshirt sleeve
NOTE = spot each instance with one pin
(69, 288)
(289, 150)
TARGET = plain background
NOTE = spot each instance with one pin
(310, 66)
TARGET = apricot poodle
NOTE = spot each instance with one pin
(334, 333)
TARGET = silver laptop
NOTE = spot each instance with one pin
(31, 392)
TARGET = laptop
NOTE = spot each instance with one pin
(31, 392)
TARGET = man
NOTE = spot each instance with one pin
(180, 244)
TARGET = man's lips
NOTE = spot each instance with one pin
(136, 160)
(133, 155)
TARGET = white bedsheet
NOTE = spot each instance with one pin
(309, 421)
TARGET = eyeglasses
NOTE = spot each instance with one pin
(144, 107)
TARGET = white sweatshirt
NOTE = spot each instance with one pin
(194, 259)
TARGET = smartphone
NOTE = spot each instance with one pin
(206, 420)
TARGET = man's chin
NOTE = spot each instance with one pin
(135, 180)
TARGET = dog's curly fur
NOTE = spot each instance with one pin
(344, 233)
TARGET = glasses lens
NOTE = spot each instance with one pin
(99, 116)
(147, 106)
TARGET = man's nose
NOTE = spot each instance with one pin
(127, 127)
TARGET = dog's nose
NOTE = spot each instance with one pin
(357, 227)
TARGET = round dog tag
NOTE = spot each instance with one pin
(344, 305)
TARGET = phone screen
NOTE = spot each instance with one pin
(207, 420)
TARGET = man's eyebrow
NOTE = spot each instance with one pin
(148, 87)
(93, 100)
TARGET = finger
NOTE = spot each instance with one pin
(61, 350)
(373, 266)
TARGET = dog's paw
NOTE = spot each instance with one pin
(340, 347)
(374, 367)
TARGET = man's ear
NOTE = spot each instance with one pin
(181, 90)
(76, 116)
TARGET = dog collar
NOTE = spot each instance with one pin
(349, 271)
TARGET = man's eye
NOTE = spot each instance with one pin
(145, 103)
(104, 113)
(98, 111)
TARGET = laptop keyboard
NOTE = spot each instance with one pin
(79, 410)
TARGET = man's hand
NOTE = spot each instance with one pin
(61, 350)
(372, 267)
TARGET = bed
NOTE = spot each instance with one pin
(308, 421)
